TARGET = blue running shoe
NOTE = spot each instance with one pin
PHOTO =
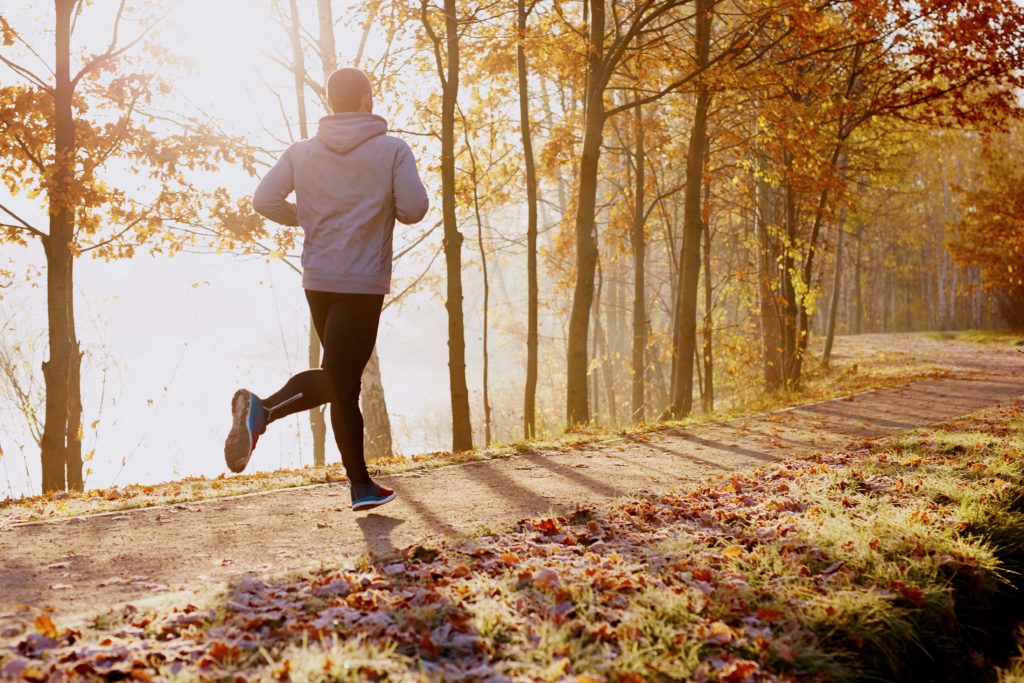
(369, 496)
(248, 422)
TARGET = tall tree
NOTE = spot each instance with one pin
(685, 330)
(56, 140)
(446, 56)
(523, 86)
(639, 245)
(317, 422)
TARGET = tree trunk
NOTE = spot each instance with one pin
(708, 393)
(298, 68)
(475, 180)
(462, 427)
(530, 397)
(837, 283)
(593, 376)
(689, 272)
(858, 291)
(326, 43)
(769, 314)
(73, 452)
(577, 404)
(59, 286)
(317, 422)
(604, 352)
(377, 432)
(789, 314)
(639, 245)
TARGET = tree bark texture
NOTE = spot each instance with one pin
(522, 72)
(57, 369)
(689, 270)
(577, 403)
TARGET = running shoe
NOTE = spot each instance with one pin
(248, 422)
(369, 496)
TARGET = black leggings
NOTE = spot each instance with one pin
(347, 327)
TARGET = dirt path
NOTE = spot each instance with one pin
(83, 564)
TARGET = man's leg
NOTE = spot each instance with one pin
(350, 333)
(306, 390)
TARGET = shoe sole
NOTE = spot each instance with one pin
(369, 505)
(238, 446)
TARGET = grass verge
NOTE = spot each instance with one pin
(892, 563)
(877, 371)
(978, 337)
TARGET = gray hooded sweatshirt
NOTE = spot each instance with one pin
(351, 182)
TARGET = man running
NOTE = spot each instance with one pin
(351, 182)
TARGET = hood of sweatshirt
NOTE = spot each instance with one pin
(342, 133)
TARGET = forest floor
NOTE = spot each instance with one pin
(173, 553)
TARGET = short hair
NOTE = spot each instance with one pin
(346, 89)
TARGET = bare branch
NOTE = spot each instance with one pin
(113, 52)
(398, 297)
(27, 74)
(366, 33)
(23, 225)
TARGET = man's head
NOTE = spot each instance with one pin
(348, 90)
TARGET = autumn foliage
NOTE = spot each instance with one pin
(990, 233)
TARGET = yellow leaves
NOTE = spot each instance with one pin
(7, 34)
(45, 626)
(719, 633)
(733, 551)
(557, 669)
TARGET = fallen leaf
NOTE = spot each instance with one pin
(44, 624)
(740, 671)
(547, 578)
(719, 634)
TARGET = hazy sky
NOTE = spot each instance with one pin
(164, 356)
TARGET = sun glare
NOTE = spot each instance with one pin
(221, 34)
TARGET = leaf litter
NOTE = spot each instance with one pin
(767, 576)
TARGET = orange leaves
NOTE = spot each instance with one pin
(44, 625)
(546, 526)
(740, 671)
(115, 130)
(990, 232)
(547, 578)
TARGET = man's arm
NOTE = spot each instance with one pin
(271, 196)
(411, 201)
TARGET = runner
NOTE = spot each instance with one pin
(351, 182)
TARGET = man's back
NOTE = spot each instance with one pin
(351, 182)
